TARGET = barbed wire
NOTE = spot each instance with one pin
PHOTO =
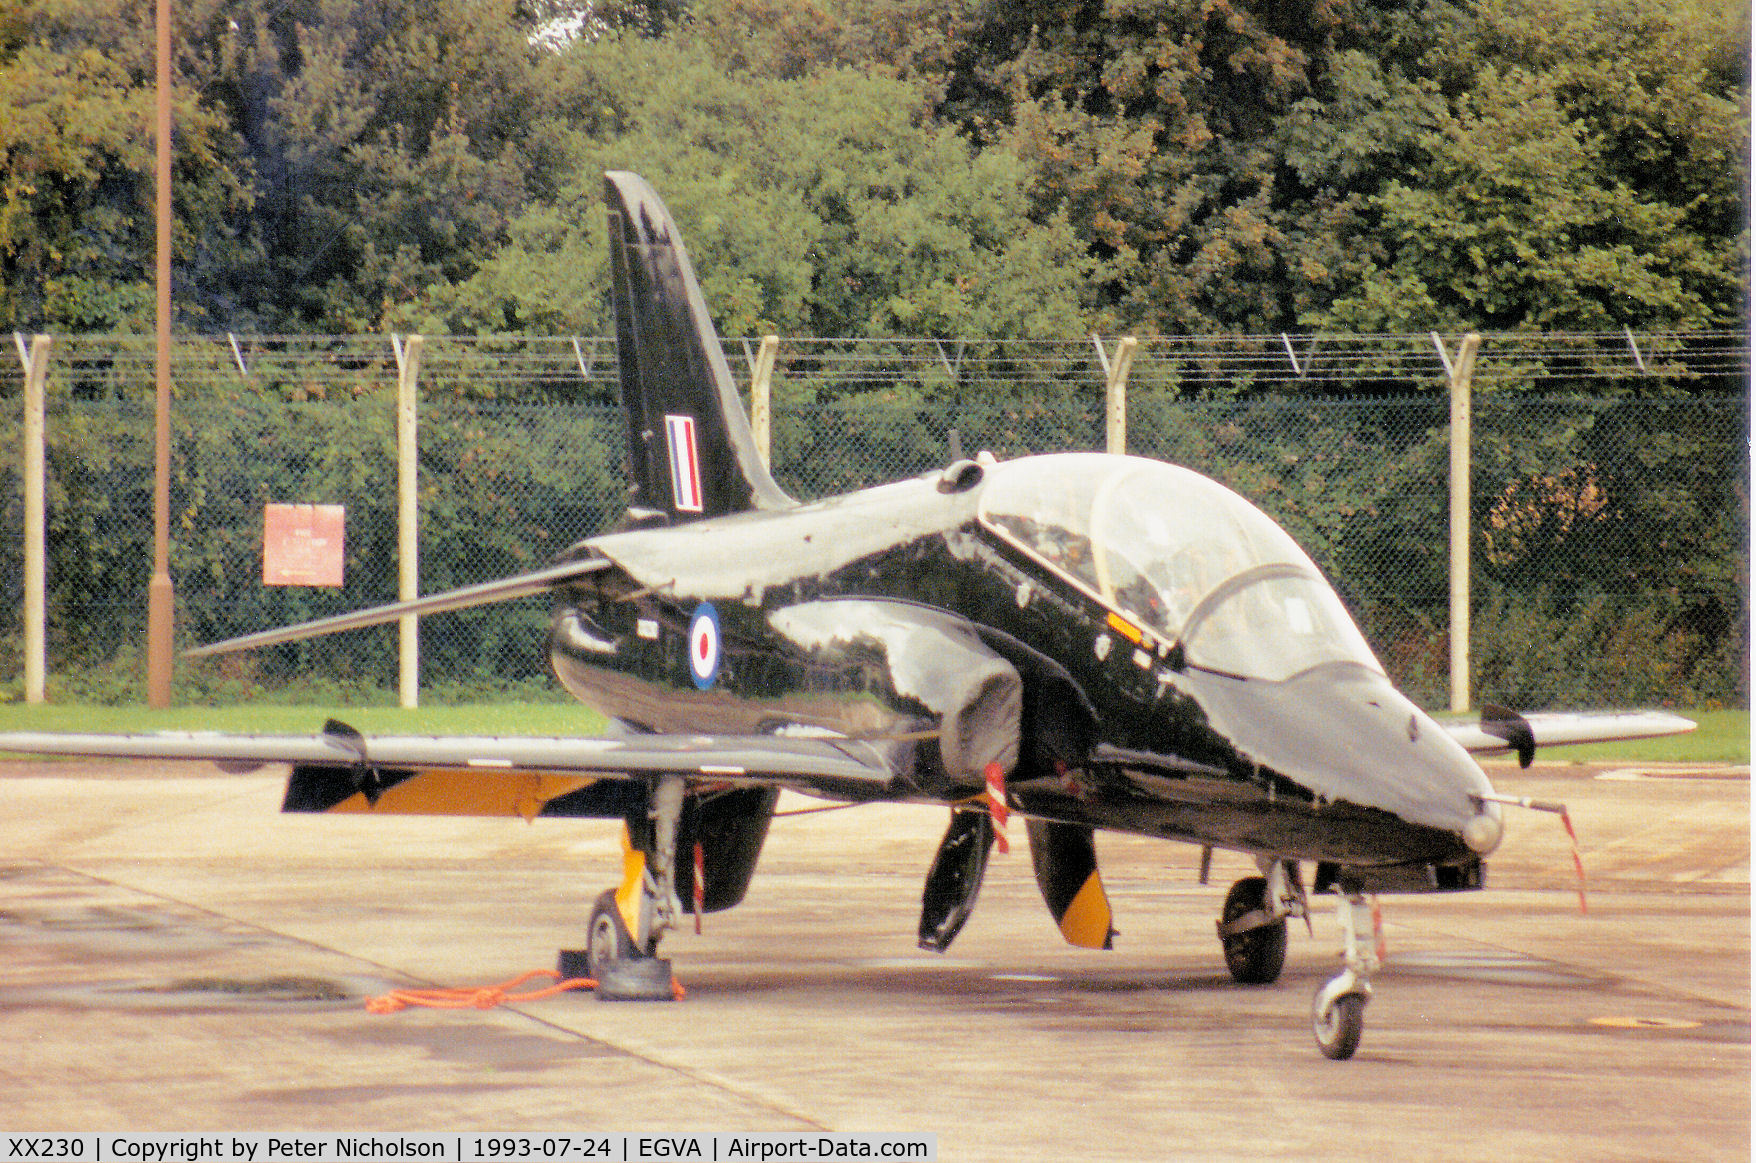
(568, 366)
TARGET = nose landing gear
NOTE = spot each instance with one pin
(1253, 934)
(1338, 1012)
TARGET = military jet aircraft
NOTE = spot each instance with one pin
(1089, 641)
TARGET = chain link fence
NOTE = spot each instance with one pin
(1610, 489)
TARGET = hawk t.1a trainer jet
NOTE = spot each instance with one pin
(1089, 641)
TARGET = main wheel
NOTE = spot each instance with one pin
(623, 970)
(607, 938)
(1255, 956)
(1338, 1028)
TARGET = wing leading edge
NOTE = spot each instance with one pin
(1502, 730)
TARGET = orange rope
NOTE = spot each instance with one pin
(488, 996)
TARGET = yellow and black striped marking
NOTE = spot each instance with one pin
(1065, 860)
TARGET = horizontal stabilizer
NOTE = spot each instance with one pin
(505, 589)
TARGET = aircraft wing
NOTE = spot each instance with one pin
(1502, 730)
(342, 770)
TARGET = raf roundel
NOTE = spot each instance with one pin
(704, 645)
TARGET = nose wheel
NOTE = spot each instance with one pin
(1338, 1012)
(1338, 1024)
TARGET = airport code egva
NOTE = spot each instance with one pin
(455, 1147)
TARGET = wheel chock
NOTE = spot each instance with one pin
(636, 979)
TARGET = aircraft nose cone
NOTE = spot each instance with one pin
(1484, 830)
(1349, 737)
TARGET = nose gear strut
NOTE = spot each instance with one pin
(1338, 1012)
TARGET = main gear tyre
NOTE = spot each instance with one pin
(1257, 955)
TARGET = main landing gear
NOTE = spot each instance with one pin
(1253, 933)
(1253, 922)
(621, 952)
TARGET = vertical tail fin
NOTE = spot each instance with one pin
(691, 453)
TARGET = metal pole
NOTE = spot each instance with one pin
(36, 657)
(160, 632)
(1116, 396)
(761, 378)
(1461, 369)
(408, 587)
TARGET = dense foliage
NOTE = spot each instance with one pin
(975, 170)
(1044, 167)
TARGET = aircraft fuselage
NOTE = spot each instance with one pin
(912, 613)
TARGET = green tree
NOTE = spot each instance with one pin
(912, 40)
(1152, 126)
(390, 141)
(77, 164)
(817, 206)
(1587, 172)
(1246, 166)
(332, 157)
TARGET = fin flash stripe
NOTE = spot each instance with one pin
(685, 463)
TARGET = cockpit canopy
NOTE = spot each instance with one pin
(1178, 553)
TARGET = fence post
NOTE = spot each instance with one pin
(761, 379)
(1116, 395)
(36, 658)
(1461, 370)
(408, 586)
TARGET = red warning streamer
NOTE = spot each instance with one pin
(1578, 864)
(995, 775)
(700, 886)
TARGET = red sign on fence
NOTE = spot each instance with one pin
(302, 545)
